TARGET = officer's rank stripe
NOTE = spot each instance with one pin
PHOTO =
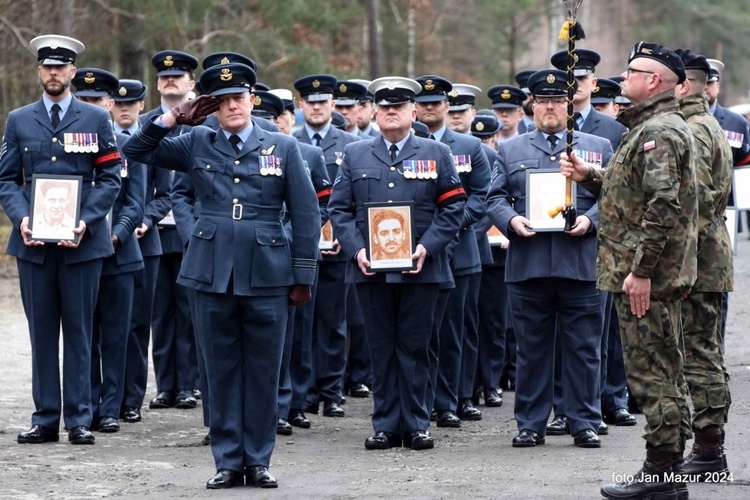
(450, 194)
(106, 158)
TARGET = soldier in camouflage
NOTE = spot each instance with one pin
(705, 370)
(647, 255)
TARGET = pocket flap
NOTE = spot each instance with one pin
(269, 237)
(204, 229)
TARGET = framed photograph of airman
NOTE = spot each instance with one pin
(496, 237)
(730, 218)
(741, 188)
(545, 197)
(55, 207)
(390, 236)
(326, 237)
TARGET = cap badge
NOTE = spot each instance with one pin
(123, 91)
(89, 78)
(645, 50)
(453, 93)
(225, 60)
(225, 75)
(53, 46)
(168, 61)
(480, 126)
(596, 90)
(316, 83)
(429, 85)
(551, 78)
(342, 88)
(391, 86)
(258, 100)
(505, 94)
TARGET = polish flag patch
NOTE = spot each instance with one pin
(648, 146)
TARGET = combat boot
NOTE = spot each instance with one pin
(678, 463)
(707, 461)
(653, 481)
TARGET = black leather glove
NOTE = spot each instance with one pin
(299, 294)
(195, 111)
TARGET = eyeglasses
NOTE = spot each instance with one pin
(634, 70)
(556, 101)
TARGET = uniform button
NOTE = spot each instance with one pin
(25, 150)
(54, 139)
(208, 167)
(236, 162)
(200, 233)
(236, 180)
(552, 158)
(235, 200)
(393, 168)
(54, 158)
(364, 175)
(390, 185)
(523, 166)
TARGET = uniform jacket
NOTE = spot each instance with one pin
(648, 208)
(158, 182)
(316, 166)
(546, 254)
(465, 257)
(606, 126)
(127, 214)
(239, 234)
(713, 168)
(483, 242)
(733, 122)
(30, 146)
(367, 174)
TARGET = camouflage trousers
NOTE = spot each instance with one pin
(705, 372)
(654, 366)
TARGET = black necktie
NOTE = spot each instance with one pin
(234, 139)
(552, 139)
(394, 152)
(576, 117)
(317, 138)
(431, 137)
(126, 132)
(55, 115)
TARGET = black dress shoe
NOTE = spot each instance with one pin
(225, 479)
(206, 441)
(185, 400)
(383, 441)
(298, 419)
(467, 411)
(130, 414)
(164, 399)
(418, 440)
(527, 439)
(259, 476)
(313, 408)
(475, 397)
(493, 397)
(359, 390)
(109, 424)
(332, 409)
(447, 418)
(81, 435)
(603, 429)
(433, 416)
(619, 417)
(587, 439)
(197, 394)
(38, 434)
(558, 427)
(283, 427)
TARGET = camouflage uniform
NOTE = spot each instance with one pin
(705, 371)
(648, 226)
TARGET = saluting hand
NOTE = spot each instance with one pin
(195, 111)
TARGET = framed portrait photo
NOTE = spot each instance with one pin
(55, 207)
(730, 218)
(495, 237)
(390, 236)
(326, 236)
(741, 188)
(545, 196)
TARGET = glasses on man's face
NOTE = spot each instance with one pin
(555, 101)
(634, 70)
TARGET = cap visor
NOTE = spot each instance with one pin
(459, 107)
(171, 72)
(229, 90)
(431, 98)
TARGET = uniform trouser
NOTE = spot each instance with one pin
(470, 347)
(451, 334)
(242, 340)
(511, 348)
(434, 351)
(538, 308)
(705, 371)
(52, 293)
(136, 370)
(614, 382)
(300, 365)
(202, 383)
(110, 343)
(493, 316)
(398, 323)
(358, 358)
(724, 312)
(329, 332)
(284, 402)
(173, 339)
(654, 364)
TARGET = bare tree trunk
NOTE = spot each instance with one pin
(411, 37)
(374, 31)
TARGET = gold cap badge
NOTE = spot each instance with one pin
(505, 94)
(225, 75)
(480, 126)
(258, 100)
(551, 78)
(89, 78)
(596, 90)
(168, 61)
(342, 88)
(316, 83)
(453, 93)
(429, 85)
(123, 91)
(225, 60)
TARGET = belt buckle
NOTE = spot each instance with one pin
(237, 211)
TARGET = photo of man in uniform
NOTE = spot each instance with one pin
(389, 236)
(52, 219)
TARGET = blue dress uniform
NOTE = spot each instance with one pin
(115, 300)
(329, 324)
(242, 267)
(144, 286)
(32, 145)
(398, 308)
(551, 282)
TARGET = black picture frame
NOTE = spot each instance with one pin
(545, 194)
(55, 207)
(396, 255)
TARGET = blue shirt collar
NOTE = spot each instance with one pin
(439, 133)
(64, 104)
(311, 132)
(243, 134)
(400, 144)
